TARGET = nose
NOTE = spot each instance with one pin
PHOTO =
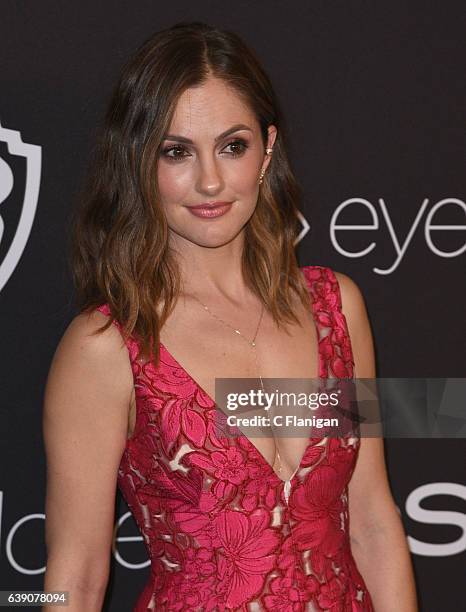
(209, 177)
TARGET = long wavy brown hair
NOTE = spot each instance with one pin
(119, 251)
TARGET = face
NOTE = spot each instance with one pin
(213, 152)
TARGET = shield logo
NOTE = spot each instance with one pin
(32, 155)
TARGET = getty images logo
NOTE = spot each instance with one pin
(431, 224)
(27, 188)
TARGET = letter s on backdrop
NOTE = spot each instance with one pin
(436, 517)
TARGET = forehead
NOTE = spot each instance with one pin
(210, 109)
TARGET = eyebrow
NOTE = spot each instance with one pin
(235, 128)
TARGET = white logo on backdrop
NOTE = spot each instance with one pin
(305, 229)
(417, 513)
(399, 249)
(33, 155)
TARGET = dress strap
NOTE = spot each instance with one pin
(131, 344)
(334, 341)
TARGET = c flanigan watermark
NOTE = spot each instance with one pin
(280, 420)
(272, 403)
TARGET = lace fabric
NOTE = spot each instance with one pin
(223, 531)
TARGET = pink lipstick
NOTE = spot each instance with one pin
(210, 210)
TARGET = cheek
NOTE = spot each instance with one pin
(243, 176)
(173, 183)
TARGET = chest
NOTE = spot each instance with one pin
(207, 348)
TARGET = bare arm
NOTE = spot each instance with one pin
(85, 423)
(378, 541)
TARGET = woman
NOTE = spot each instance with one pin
(185, 243)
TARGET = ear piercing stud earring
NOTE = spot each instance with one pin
(261, 177)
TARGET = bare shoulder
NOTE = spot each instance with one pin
(81, 342)
(81, 335)
(352, 298)
(88, 365)
(353, 306)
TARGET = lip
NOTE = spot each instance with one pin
(209, 205)
(211, 210)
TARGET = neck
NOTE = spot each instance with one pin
(208, 272)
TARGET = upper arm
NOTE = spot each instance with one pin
(85, 417)
(370, 498)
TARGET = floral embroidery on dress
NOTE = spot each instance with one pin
(222, 530)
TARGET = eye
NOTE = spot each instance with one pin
(239, 146)
(177, 151)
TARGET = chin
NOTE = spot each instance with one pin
(214, 241)
(210, 237)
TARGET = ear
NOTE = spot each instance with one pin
(272, 135)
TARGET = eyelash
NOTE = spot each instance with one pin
(237, 141)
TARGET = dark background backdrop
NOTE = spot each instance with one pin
(375, 100)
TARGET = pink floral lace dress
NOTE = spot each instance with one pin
(223, 531)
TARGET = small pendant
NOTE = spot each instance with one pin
(287, 489)
(253, 344)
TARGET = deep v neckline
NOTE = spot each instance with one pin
(242, 435)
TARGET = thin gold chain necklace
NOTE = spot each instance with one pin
(252, 344)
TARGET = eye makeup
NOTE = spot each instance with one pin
(178, 152)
